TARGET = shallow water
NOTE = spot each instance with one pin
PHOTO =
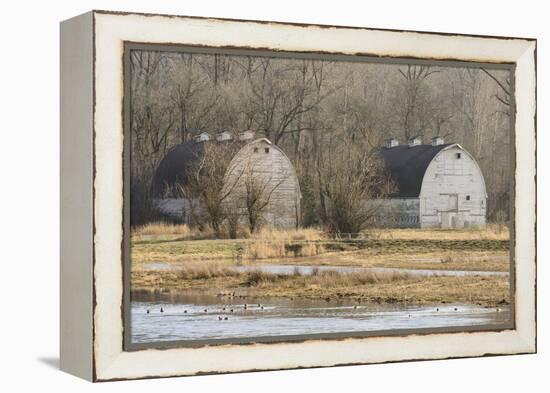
(184, 317)
(309, 269)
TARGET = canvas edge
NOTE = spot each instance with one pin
(525, 335)
(76, 177)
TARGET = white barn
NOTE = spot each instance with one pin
(439, 186)
(273, 175)
(267, 163)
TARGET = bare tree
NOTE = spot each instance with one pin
(206, 188)
(503, 96)
(279, 93)
(352, 184)
(312, 109)
(257, 189)
(411, 109)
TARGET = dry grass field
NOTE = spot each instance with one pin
(388, 287)
(196, 260)
(474, 249)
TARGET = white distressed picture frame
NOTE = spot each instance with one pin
(92, 141)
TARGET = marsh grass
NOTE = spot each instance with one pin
(167, 230)
(323, 279)
(309, 234)
(489, 232)
(204, 271)
(272, 243)
(327, 284)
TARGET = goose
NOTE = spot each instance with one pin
(437, 309)
(161, 309)
(147, 311)
(456, 309)
(185, 311)
(231, 310)
(226, 318)
(220, 318)
(355, 307)
(261, 307)
(205, 310)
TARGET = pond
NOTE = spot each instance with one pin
(196, 316)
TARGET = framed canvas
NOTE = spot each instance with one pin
(246, 195)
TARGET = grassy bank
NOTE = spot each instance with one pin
(329, 285)
(196, 260)
(473, 249)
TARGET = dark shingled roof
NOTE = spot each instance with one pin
(173, 167)
(407, 165)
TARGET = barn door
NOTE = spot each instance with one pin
(453, 202)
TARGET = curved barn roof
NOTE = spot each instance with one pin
(173, 167)
(407, 165)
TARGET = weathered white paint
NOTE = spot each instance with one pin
(202, 137)
(178, 209)
(398, 213)
(415, 141)
(224, 136)
(453, 195)
(246, 135)
(453, 191)
(274, 174)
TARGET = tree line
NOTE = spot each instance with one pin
(329, 117)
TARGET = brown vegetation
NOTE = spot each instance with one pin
(328, 285)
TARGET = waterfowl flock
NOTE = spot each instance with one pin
(245, 307)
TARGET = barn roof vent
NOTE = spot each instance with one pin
(246, 135)
(224, 136)
(391, 142)
(415, 141)
(202, 137)
(437, 140)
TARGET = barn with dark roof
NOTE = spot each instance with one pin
(437, 185)
(253, 161)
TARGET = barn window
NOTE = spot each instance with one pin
(255, 150)
(267, 149)
(458, 155)
(467, 197)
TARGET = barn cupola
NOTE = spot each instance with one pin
(223, 136)
(415, 141)
(246, 135)
(437, 140)
(202, 137)
(391, 142)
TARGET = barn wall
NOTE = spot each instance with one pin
(445, 187)
(398, 213)
(274, 170)
(176, 209)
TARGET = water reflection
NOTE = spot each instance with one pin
(196, 315)
(310, 269)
